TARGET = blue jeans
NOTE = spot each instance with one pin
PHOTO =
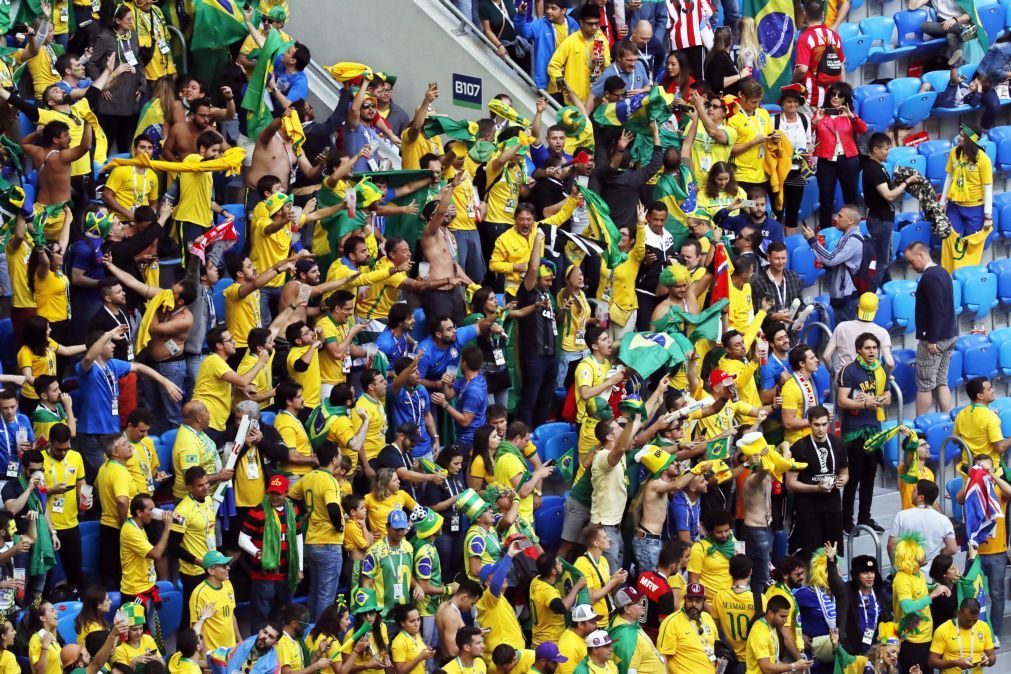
(646, 552)
(268, 296)
(881, 237)
(565, 359)
(324, 563)
(265, 595)
(995, 568)
(615, 555)
(469, 255)
(758, 546)
(175, 372)
(192, 370)
(93, 453)
(965, 220)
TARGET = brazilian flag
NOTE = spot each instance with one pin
(624, 639)
(776, 32)
(647, 352)
(217, 24)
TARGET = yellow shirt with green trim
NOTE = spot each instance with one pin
(63, 508)
(44, 364)
(706, 152)
(139, 574)
(198, 532)
(712, 567)
(219, 629)
(953, 642)
(143, 464)
(177, 664)
(308, 379)
(793, 619)
(597, 574)
(332, 369)
(391, 571)
(289, 653)
(573, 329)
(906, 586)
(749, 165)
(263, 381)
(762, 644)
(365, 657)
(133, 186)
(379, 510)
(318, 489)
(503, 193)
(379, 298)
(192, 448)
(979, 427)
(75, 120)
(405, 648)
(269, 249)
(152, 33)
(589, 372)
(375, 437)
(366, 277)
(645, 658)
(43, 419)
(547, 625)
(968, 177)
(464, 198)
(213, 391)
(242, 314)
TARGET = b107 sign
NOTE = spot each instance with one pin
(467, 91)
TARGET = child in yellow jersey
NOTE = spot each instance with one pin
(357, 537)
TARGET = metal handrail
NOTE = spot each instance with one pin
(942, 465)
(182, 38)
(851, 536)
(467, 26)
(828, 331)
(897, 392)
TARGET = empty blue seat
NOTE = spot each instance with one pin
(936, 153)
(956, 296)
(545, 432)
(802, 262)
(899, 286)
(1001, 136)
(907, 26)
(904, 312)
(979, 289)
(65, 628)
(952, 487)
(912, 233)
(915, 109)
(905, 372)
(865, 91)
(878, 111)
(420, 330)
(902, 88)
(832, 236)
(556, 446)
(857, 50)
(937, 79)
(955, 376)
(89, 547)
(980, 360)
(883, 317)
(880, 30)
(267, 417)
(548, 521)
(847, 31)
(218, 295)
(171, 612)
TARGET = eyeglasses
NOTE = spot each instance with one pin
(368, 106)
(715, 106)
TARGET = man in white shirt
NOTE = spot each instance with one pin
(843, 340)
(933, 527)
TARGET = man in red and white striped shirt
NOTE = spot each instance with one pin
(684, 26)
(816, 35)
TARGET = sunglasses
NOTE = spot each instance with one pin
(368, 106)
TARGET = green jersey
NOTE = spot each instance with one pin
(428, 567)
(391, 571)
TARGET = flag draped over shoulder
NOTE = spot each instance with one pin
(151, 125)
(635, 112)
(602, 229)
(624, 639)
(706, 322)
(848, 664)
(647, 352)
(982, 507)
(217, 24)
(774, 20)
(255, 100)
(974, 584)
(724, 268)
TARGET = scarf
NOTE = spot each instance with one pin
(43, 556)
(164, 299)
(270, 557)
(230, 162)
(725, 548)
(870, 367)
(807, 393)
(505, 448)
(292, 127)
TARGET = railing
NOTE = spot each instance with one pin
(897, 393)
(182, 39)
(467, 26)
(858, 530)
(942, 469)
(828, 332)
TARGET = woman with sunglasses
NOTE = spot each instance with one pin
(797, 127)
(836, 131)
(713, 141)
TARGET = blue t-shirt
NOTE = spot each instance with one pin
(684, 515)
(471, 396)
(9, 440)
(411, 407)
(99, 391)
(294, 86)
(436, 359)
(811, 615)
(770, 373)
(540, 154)
(392, 347)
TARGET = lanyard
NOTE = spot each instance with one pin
(829, 454)
(126, 322)
(110, 380)
(972, 642)
(415, 416)
(52, 469)
(399, 565)
(863, 606)
(773, 636)
(780, 294)
(139, 197)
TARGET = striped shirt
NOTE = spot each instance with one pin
(684, 21)
(253, 527)
(810, 39)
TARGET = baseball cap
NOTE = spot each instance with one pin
(410, 431)
(582, 613)
(397, 519)
(626, 596)
(695, 590)
(867, 307)
(598, 639)
(278, 485)
(215, 558)
(549, 651)
(717, 377)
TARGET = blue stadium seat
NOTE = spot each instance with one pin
(904, 312)
(238, 211)
(902, 88)
(8, 345)
(1002, 269)
(847, 31)
(899, 286)
(218, 294)
(857, 50)
(979, 289)
(936, 152)
(907, 27)
(878, 111)
(992, 18)
(545, 432)
(823, 381)
(556, 446)
(548, 521)
(952, 487)
(980, 360)
(937, 79)
(880, 30)
(420, 330)
(89, 547)
(955, 376)
(883, 317)
(808, 205)
(1002, 214)
(65, 627)
(912, 233)
(865, 91)
(802, 262)
(905, 372)
(795, 240)
(916, 108)
(171, 612)
(832, 236)
(164, 450)
(267, 418)
(1001, 136)
(956, 296)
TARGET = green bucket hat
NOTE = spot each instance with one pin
(426, 521)
(571, 119)
(471, 504)
(134, 613)
(364, 600)
(632, 404)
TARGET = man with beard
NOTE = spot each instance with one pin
(762, 650)
(439, 246)
(788, 576)
(305, 287)
(291, 654)
(182, 137)
(255, 654)
(688, 637)
(274, 155)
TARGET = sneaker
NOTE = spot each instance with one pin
(873, 525)
(847, 527)
(968, 32)
(956, 58)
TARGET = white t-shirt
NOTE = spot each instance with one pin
(934, 527)
(843, 340)
(610, 492)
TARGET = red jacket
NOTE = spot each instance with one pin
(825, 135)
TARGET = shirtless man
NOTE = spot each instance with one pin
(191, 88)
(439, 246)
(756, 494)
(449, 617)
(54, 158)
(182, 137)
(651, 505)
(305, 286)
(678, 295)
(275, 155)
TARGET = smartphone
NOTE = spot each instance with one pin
(526, 543)
(550, 462)
(833, 111)
(747, 203)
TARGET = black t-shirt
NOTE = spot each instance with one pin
(12, 490)
(720, 67)
(104, 321)
(538, 331)
(546, 192)
(877, 205)
(824, 459)
(391, 457)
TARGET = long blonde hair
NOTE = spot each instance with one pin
(381, 487)
(748, 42)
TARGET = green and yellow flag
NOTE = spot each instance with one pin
(969, 7)
(624, 639)
(647, 352)
(602, 228)
(776, 32)
(255, 101)
(706, 322)
(567, 580)
(635, 112)
(217, 23)
(457, 129)
(848, 664)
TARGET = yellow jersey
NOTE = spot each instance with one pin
(53, 664)
(733, 612)
(683, 644)
(139, 574)
(762, 644)
(199, 531)
(318, 489)
(968, 178)
(242, 314)
(219, 629)
(195, 195)
(53, 296)
(379, 510)
(308, 379)
(125, 652)
(113, 483)
(213, 391)
(749, 166)
(133, 186)
(44, 364)
(375, 437)
(269, 249)
(952, 642)
(712, 567)
(294, 436)
(63, 508)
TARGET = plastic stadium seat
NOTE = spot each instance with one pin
(899, 286)
(902, 88)
(420, 325)
(878, 110)
(847, 31)
(915, 161)
(979, 289)
(857, 50)
(905, 372)
(955, 377)
(907, 27)
(865, 91)
(980, 361)
(171, 612)
(218, 294)
(7, 345)
(916, 108)
(89, 547)
(936, 152)
(912, 233)
(823, 381)
(1002, 269)
(808, 202)
(238, 211)
(168, 440)
(65, 608)
(164, 450)
(952, 487)
(267, 417)
(904, 312)
(548, 521)
(956, 296)
(883, 317)
(556, 446)
(1005, 421)
(937, 79)
(1002, 214)
(795, 240)
(832, 236)
(545, 432)
(880, 30)
(65, 627)
(802, 262)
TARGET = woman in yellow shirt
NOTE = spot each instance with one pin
(409, 651)
(43, 647)
(37, 356)
(968, 184)
(51, 287)
(8, 661)
(574, 316)
(370, 643)
(721, 191)
(333, 625)
(482, 462)
(385, 497)
(96, 604)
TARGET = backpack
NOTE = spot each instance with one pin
(480, 181)
(865, 277)
(826, 67)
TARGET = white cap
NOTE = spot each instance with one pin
(597, 639)
(583, 612)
